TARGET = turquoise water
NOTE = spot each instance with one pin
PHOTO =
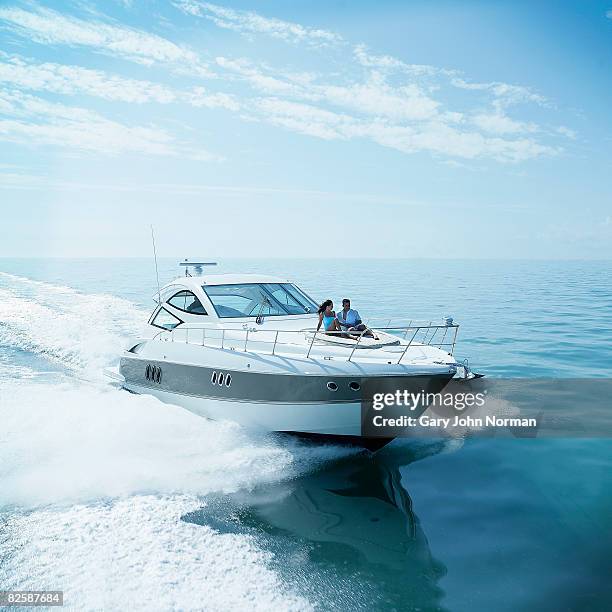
(125, 502)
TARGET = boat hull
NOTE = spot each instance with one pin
(327, 405)
(306, 417)
(325, 423)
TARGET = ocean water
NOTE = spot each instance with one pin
(127, 503)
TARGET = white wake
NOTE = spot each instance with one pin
(94, 480)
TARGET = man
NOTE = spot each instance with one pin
(350, 320)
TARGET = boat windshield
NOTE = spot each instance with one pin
(259, 299)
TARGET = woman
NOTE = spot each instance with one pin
(327, 318)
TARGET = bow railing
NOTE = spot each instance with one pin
(395, 341)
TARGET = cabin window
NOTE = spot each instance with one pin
(165, 320)
(187, 302)
(252, 300)
(293, 301)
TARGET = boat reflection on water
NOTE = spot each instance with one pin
(352, 517)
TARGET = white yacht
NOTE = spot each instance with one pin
(245, 347)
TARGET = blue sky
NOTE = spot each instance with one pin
(306, 129)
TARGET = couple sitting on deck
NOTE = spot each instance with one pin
(346, 324)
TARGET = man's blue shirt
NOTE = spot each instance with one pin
(352, 318)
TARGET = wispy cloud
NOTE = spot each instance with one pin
(66, 79)
(248, 22)
(50, 27)
(505, 93)
(389, 63)
(386, 100)
(260, 78)
(202, 98)
(372, 96)
(377, 98)
(434, 136)
(404, 117)
(567, 132)
(499, 123)
(29, 119)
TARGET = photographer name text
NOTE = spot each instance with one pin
(458, 421)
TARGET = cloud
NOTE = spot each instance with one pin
(70, 80)
(433, 137)
(498, 123)
(609, 14)
(390, 63)
(248, 22)
(402, 116)
(378, 98)
(567, 132)
(505, 93)
(201, 98)
(65, 79)
(385, 99)
(50, 27)
(372, 97)
(441, 139)
(29, 119)
(305, 118)
(259, 79)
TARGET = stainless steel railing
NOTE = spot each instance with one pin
(249, 339)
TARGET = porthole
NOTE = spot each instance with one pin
(332, 386)
(158, 376)
(218, 378)
(148, 372)
(354, 386)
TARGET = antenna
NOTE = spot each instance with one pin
(156, 270)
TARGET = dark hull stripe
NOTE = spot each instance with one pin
(197, 381)
(240, 400)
